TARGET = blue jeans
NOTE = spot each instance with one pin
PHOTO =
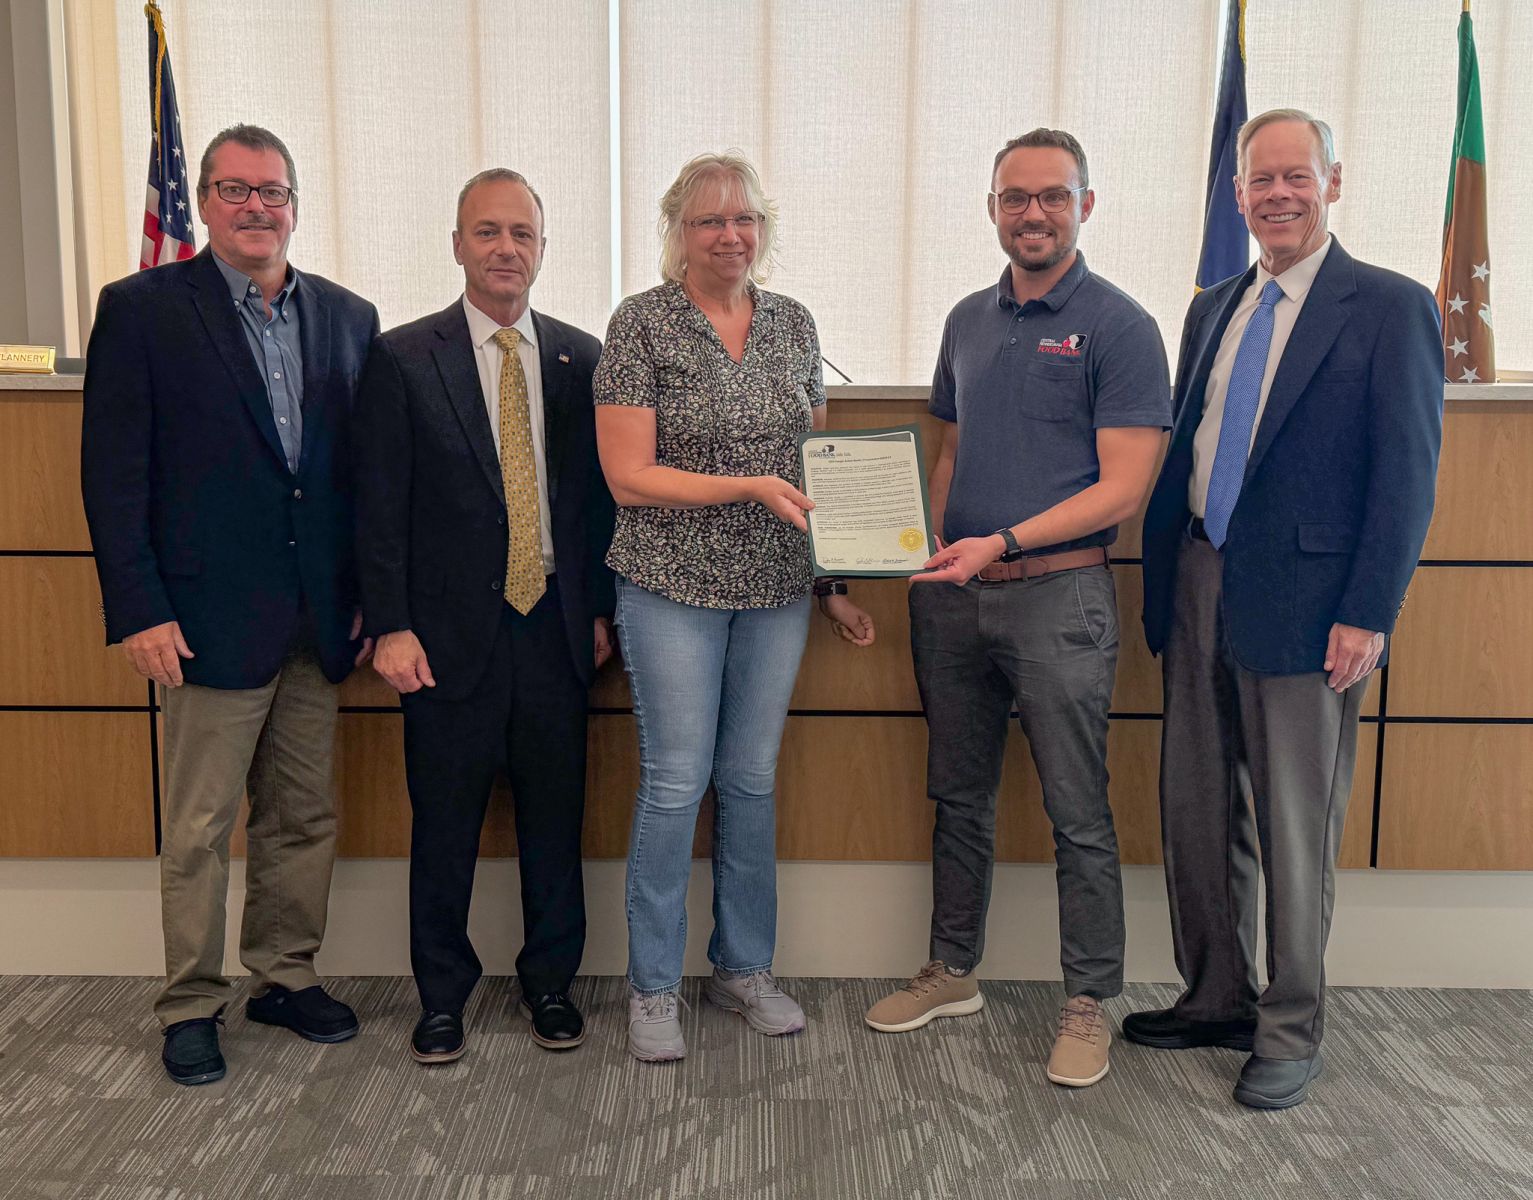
(710, 691)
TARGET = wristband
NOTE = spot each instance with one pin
(826, 585)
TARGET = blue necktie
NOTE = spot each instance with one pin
(1240, 402)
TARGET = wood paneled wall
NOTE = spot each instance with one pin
(1445, 758)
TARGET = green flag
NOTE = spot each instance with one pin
(1463, 288)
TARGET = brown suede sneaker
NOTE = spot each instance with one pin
(932, 993)
(1080, 1050)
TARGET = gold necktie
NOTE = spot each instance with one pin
(525, 582)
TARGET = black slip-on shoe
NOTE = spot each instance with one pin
(190, 1054)
(556, 1022)
(438, 1038)
(1276, 1082)
(1164, 1030)
(309, 1013)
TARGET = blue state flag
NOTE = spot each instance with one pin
(1226, 244)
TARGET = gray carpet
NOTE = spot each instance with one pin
(1426, 1094)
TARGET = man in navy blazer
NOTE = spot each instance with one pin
(216, 481)
(1280, 537)
(483, 522)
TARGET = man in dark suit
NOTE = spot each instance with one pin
(216, 480)
(483, 521)
(1280, 538)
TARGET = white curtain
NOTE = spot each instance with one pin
(873, 123)
(875, 126)
(387, 108)
(1384, 74)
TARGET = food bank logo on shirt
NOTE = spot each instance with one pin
(1069, 347)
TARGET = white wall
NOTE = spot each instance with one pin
(1416, 929)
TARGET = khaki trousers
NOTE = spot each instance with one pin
(276, 744)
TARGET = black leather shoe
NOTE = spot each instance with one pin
(1276, 1082)
(309, 1013)
(1164, 1030)
(191, 1054)
(438, 1038)
(556, 1022)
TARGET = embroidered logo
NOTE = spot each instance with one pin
(1070, 347)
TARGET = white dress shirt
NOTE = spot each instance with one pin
(481, 332)
(1295, 282)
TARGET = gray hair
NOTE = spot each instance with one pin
(1057, 139)
(498, 175)
(252, 137)
(702, 170)
(1324, 138)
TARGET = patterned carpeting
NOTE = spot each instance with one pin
(1426, 1094)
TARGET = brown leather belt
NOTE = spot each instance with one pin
(1042, 564)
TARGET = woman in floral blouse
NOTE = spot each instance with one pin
(705, 384)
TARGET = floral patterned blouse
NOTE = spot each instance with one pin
(714, 416)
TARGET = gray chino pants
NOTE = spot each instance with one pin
(1249, 760)
(1050, 646)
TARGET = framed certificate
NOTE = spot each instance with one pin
(871, 514)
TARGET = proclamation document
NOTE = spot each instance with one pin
(870, 515)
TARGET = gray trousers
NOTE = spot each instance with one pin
(1248, 760)
(1049, 645)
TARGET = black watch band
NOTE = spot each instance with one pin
(827, 585)
(1013, 547)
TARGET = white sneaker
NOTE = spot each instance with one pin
(654, 1027)
(765, 1006)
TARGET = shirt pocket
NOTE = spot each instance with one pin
(1053, 391)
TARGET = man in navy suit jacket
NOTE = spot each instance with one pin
(483, 521)
(216, 480)
(1281, 535)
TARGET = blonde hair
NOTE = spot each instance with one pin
(694, 177)
(1325, 140)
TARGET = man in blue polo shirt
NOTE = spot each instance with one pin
(1054, 387)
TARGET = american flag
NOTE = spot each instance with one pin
(168, 235)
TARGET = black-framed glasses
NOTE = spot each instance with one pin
(713, 223)
(1051, 200)
(237, 191)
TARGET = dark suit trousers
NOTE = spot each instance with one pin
(527, 714)
(1247, 760)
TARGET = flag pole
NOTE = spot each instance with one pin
(157, 19)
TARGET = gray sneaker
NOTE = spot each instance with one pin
(765, 1006)
(654, 1027)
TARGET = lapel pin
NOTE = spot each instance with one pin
(564, 358)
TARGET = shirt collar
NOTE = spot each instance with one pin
(482, 327)
(1056, 296)
(1299, 278)
(241, 285)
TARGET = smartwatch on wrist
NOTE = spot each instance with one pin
(1013, 547)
